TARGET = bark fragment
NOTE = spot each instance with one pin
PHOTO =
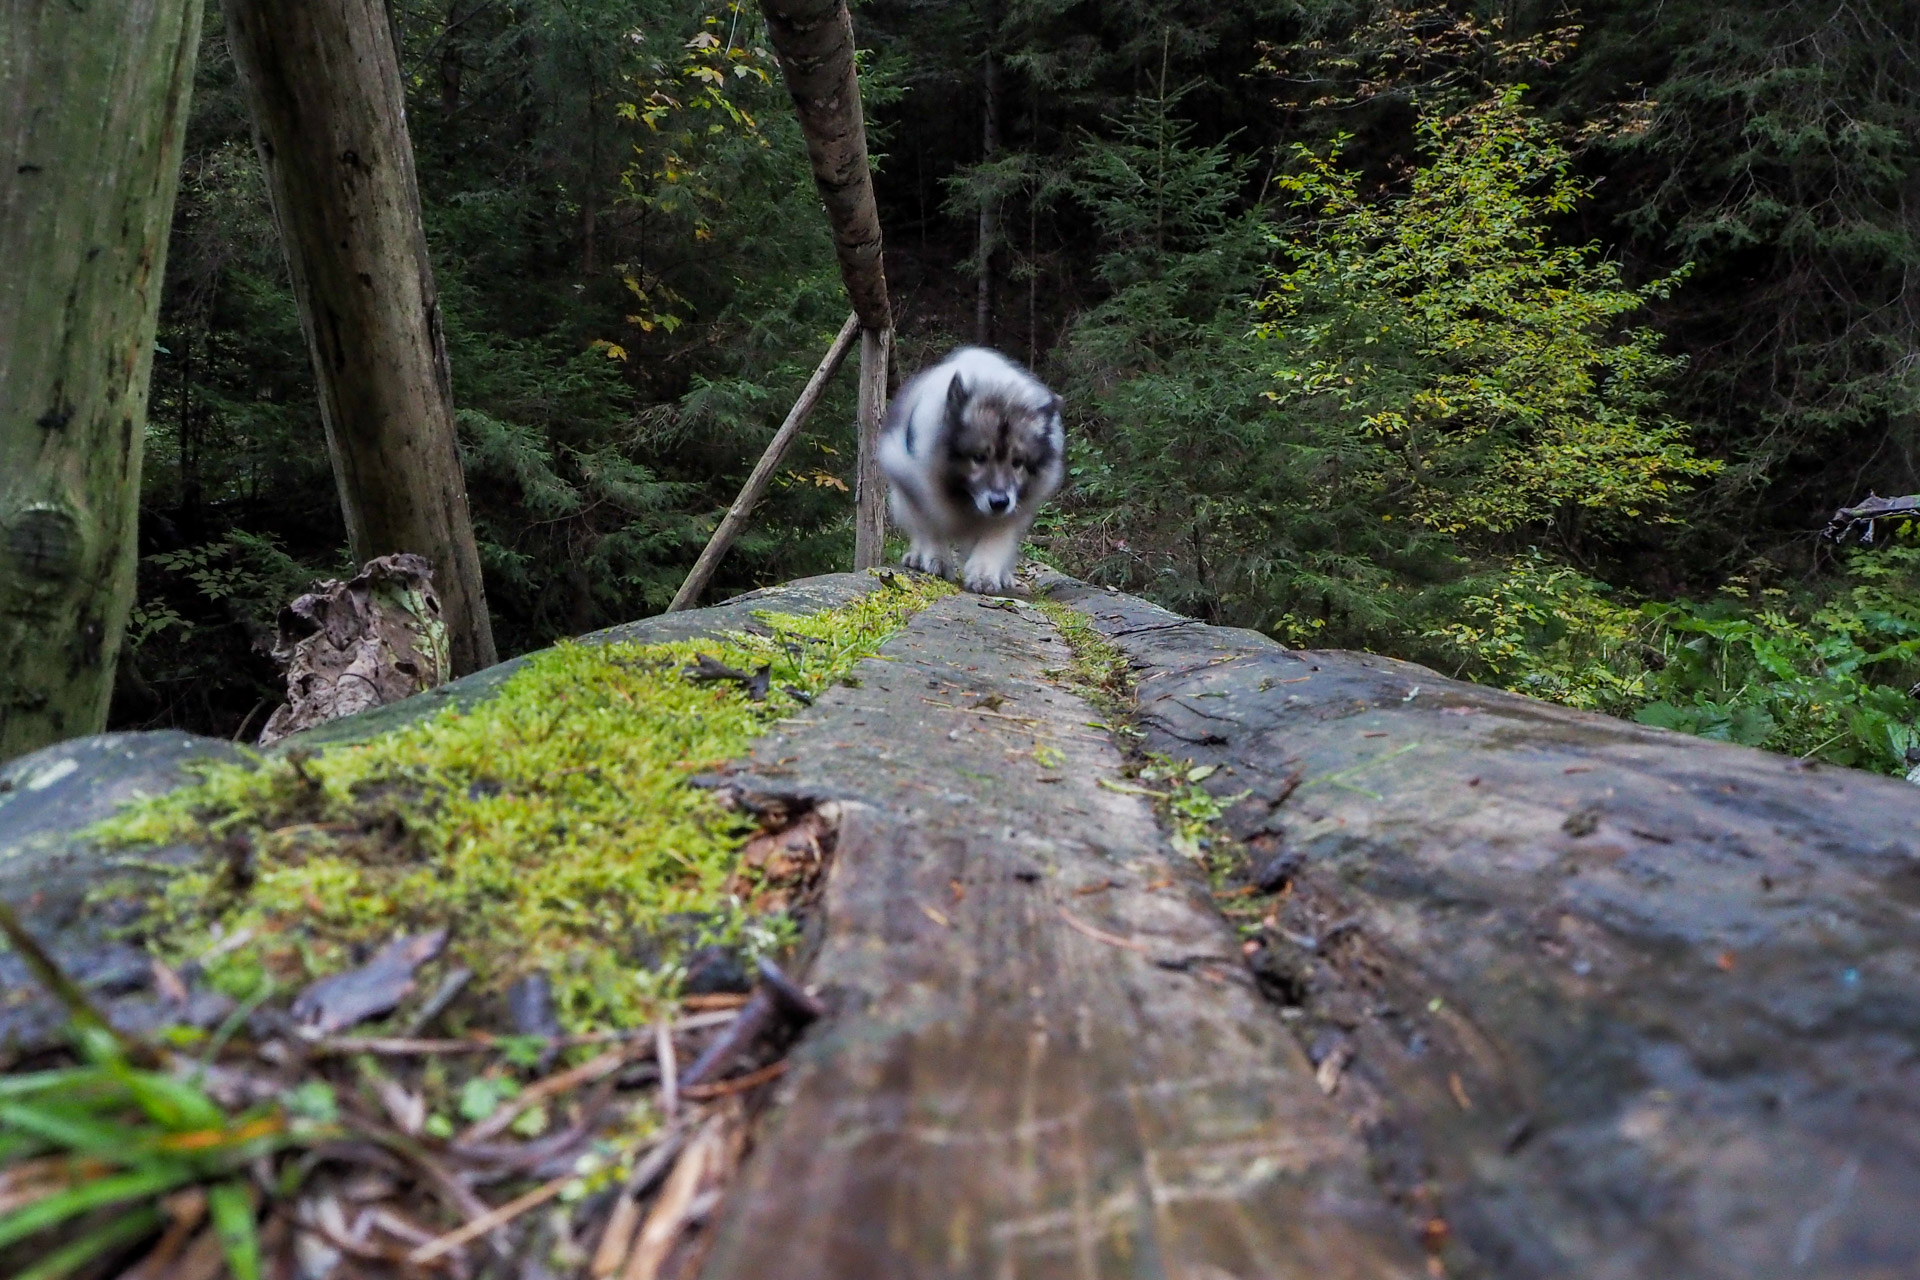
(363, 643)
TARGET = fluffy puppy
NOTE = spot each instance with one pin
(971, 447)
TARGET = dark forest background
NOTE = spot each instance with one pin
(1531, 343)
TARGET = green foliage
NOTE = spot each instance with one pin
(1544, 629)
(103, 1142)
(1777, 147)
(1484, 363)
(1322, 447)
(550, 826)
(1821, 678)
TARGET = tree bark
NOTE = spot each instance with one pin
(814, 40)
(756, 485)
(989, 225)
(870, 488)
(1601, 999)
(93, 106)
(329, 110)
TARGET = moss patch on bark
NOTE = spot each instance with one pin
(550, 827)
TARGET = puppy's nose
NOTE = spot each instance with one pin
(999, 502)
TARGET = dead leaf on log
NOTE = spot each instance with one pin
(335, 1003)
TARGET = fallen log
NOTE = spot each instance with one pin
(1043, 1055)
(1610, 1000)
(1531, 993)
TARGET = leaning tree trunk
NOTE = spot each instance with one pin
(93, 103)
(814, 39)
(989, 227)
(329, 110)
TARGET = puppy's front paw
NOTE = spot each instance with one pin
(926, 560)
(988, 582)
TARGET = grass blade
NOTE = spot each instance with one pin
(231, 1209)
(69, 1258)
(63, 1127)
(41, 1081)
(42, 1214)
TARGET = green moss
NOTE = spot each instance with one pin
(1098, 671)
(1190, 813)
(549, 827)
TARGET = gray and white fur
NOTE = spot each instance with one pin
(971, 447)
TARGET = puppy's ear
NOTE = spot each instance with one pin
(957, 396)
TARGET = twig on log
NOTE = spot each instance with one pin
(404, 1045)
(669, 1068)
(739, 1084)
(756, 485)
(490, 1220)
(776, 998)
(1099, 935)
(534, 1094)
(670, 1212)
(616, 1240)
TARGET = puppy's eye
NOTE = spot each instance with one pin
(979, 457)
(1019, 464)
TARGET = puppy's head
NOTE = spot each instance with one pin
(997, 447)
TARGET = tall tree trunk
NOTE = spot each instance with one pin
(814, 39)
(93, 105)
(323, 80)
(989, 227)
(870, 484)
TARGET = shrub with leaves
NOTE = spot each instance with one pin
(1487, 364)
(1825, 678)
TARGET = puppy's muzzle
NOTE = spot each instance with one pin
(996, 503)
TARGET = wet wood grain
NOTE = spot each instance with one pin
(1045, 1056)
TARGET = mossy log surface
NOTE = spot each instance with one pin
(48, 799)
(1619, 1002)
(1532, 992)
